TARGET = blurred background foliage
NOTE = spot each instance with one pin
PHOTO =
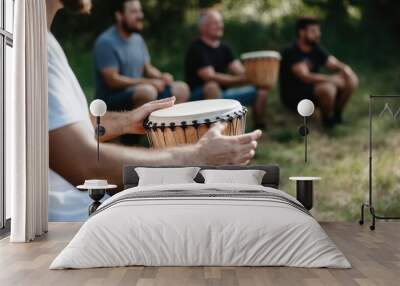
(353, 29)
(363, 33)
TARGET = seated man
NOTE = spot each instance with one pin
(125, 77)
(300, 77)
(72, 141)
(212, 71)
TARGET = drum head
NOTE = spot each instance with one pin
(201, 111)
(261, 54)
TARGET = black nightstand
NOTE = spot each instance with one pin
(304, 190)
(96, 190)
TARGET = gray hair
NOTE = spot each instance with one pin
(204, 14)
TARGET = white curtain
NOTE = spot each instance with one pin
(26, 124)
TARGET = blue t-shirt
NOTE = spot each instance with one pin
(128, 56)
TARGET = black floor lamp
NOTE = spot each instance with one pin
(98, 108)
(304, 185)
(305, 108)
(97, 187)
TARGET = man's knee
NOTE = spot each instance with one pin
(352, 82)
(326, 94)
(212, 90)
(181, 91)
(145, 92)
(326, 89)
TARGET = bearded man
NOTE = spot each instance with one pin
(125, 77)
(300, 76)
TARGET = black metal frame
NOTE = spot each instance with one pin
(370, 205)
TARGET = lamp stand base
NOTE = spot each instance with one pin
(96, 196)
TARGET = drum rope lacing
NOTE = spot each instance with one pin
(195, 123)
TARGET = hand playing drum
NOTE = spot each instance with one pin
(186, 123)
(202, 139)
(262, 68)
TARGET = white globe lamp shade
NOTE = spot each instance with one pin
(305, 108)
(98, 107)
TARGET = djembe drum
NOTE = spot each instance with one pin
(262, 67)
(186, 123)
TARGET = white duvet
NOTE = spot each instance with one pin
(201, 231)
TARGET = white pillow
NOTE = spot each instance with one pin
(248, 177)
(166, 176)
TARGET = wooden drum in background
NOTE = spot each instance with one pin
(186, 123)
(262, 67)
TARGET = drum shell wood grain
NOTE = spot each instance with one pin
(162, 137)
(262, 72)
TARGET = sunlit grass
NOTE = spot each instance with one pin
(339, 156)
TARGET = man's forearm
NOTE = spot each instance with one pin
(152, 72)
(113, 158)
(313, 78)
(115, 124)
(334, 64)
(338, 67)
(73, 155)
(129, 122)
(228, 80)
(121, 82)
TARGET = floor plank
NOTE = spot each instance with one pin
(375, 257)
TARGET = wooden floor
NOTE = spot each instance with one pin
(375, 257)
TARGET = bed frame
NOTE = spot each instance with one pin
(270, 179)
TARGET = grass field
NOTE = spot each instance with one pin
(339, 156)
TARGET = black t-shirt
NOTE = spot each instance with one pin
(200, 55)
(290, 84)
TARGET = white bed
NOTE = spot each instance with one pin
(248, 226)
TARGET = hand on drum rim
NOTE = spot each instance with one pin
(136, 117)
(214, 148)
